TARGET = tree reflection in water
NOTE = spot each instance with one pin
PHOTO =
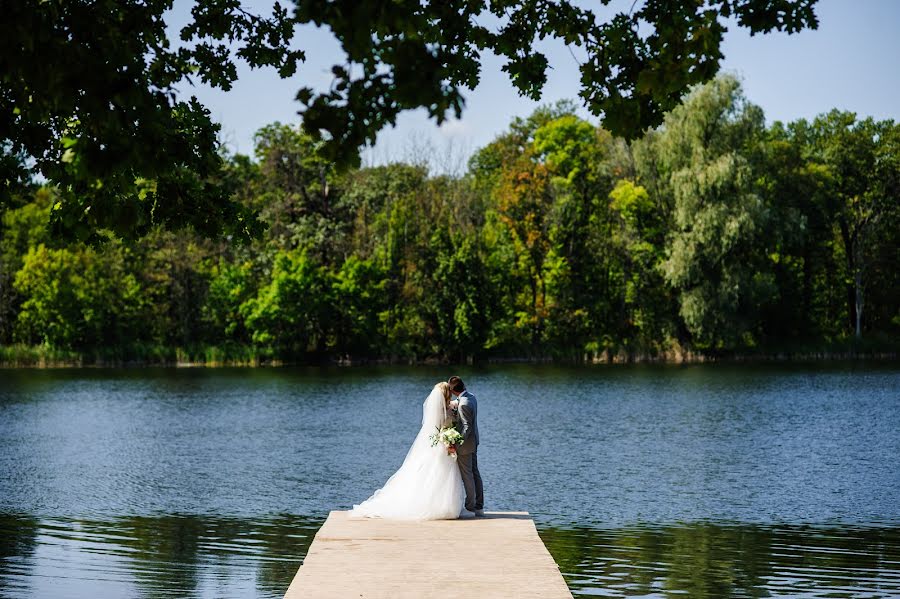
(153, 556)
(189, 556)
(703, 560)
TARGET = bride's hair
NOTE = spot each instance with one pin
(445, 391)
(456, 384)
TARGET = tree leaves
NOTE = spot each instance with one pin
(110, 66)
(713, 233)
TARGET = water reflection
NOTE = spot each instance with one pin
(164, 556)
(703, 560)
(191, 556)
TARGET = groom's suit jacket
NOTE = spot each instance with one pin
(468, 423)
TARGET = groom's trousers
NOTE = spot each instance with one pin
(468, 467)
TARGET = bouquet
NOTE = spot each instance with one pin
(449, 436)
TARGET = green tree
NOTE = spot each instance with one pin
(638, 237)
(800, 235)
(89, 94)
(560, 241)
(523, 204)
(862, 161)
(371, 195)
(359, 304)
(78, 299)
(74, 76)
(716, 257)
(579, 259)
(297, 193)
(175, 274)
(22, 228)
(231, 284)
(291, 311)
(464, 300)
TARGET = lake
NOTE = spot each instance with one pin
(654, 481)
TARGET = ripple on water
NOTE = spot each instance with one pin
(162, 482)
(165, 556)
(729, 560)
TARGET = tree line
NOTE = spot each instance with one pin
(713, 233)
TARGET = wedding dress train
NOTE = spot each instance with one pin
(428, 485)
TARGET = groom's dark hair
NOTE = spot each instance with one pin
(456, 384)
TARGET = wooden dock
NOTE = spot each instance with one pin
(497, 556)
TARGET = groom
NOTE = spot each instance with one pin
(467, 451)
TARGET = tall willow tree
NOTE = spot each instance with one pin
(716, 258)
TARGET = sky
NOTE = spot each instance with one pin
(851, 62)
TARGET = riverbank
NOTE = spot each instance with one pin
(41, 356)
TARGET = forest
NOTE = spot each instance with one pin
(713, 235)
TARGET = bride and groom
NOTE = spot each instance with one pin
(435, 482)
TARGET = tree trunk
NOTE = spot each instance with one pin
(534, 332)
(809, 321)
(858, 272)
(857, 279)
(859, 268)
(851, 288)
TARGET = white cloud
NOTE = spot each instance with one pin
(455, 128)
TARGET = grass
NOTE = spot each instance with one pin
(233, 354)
(45, 356)
(37, 355)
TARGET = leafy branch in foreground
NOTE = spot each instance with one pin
(88, 89)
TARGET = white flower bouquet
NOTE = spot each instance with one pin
(449, 436)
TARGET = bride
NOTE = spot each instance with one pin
(428, 485)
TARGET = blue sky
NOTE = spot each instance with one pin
(850, 62)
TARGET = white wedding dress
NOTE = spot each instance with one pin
(428, 485)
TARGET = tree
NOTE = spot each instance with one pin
(800, 237)
(175, 276)
(463, 299)
(230, 286)
(22, 228)
(290, 313)
(79, 298)
(573, 150)
(638, 239)
(89, 89)
(716, 254)
(359, 302)
(297, 193)
(561, 242)
(862, 162)
(523, 205)
(518, 220)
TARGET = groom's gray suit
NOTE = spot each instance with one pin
(467, 451)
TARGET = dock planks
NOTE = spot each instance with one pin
(497, 556)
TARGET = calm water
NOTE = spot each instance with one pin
(700, 481)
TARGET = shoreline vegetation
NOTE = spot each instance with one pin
(24, 356)
(714, 238)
